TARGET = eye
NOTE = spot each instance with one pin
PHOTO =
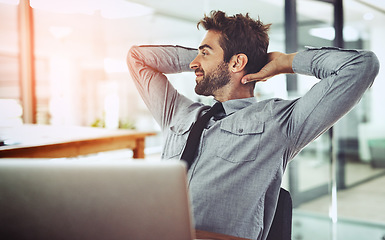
(204, 52)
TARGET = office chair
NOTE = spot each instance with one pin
(281, 226)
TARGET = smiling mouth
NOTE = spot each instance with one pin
(199, 73)
(198, 78)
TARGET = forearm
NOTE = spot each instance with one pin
(163, 59)
(324, 62)
(285, 64)
(147, 65)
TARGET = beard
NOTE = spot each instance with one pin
(213, 81)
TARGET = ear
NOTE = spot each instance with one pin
(238, 63)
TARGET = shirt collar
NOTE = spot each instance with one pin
(234, 105)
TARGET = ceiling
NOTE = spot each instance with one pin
(359, 15)
(169, 22)
(270, 11)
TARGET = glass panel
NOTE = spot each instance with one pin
(358, 170)
(309, 174)
(361, 145)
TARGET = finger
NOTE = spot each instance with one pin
(251, 78)
(256, 77)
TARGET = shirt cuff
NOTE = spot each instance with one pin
(302, 62)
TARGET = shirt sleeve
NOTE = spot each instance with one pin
(148, 66)
(345, 76)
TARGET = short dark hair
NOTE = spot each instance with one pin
(240, 34)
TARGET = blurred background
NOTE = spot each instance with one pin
(76, 75)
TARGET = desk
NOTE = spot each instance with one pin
(215, 236)
(46, 141)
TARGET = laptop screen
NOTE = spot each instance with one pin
(74, 199)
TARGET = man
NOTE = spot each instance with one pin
(236, 171)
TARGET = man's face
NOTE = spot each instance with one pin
(211, 71)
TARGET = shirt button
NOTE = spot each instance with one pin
(240, 130)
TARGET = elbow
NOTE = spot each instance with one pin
(134, 62)
(131, 55)
(372, 65)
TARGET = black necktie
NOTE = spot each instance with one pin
(196, 132)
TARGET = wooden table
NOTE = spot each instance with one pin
(215, 236)
(46, 141)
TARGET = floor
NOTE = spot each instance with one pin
(363, 199)
(364, 202)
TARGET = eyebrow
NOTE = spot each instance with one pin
(205, 46)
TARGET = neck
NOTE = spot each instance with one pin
(229, 92)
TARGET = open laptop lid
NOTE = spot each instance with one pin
(68, 199)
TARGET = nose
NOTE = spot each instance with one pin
(194, 64)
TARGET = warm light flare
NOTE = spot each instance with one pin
(11, 2)
(11, 112)
(111, 9)
(111, 105)
(114, 66)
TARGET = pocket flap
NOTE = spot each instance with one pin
(181, 129)
(243, 128)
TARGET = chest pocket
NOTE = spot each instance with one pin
(239, 140)
(175, 140)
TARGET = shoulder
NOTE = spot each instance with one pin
(268, 108)
(189, 114)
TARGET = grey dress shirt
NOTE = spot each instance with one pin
(235, 179)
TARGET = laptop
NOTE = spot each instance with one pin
(75, 199)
